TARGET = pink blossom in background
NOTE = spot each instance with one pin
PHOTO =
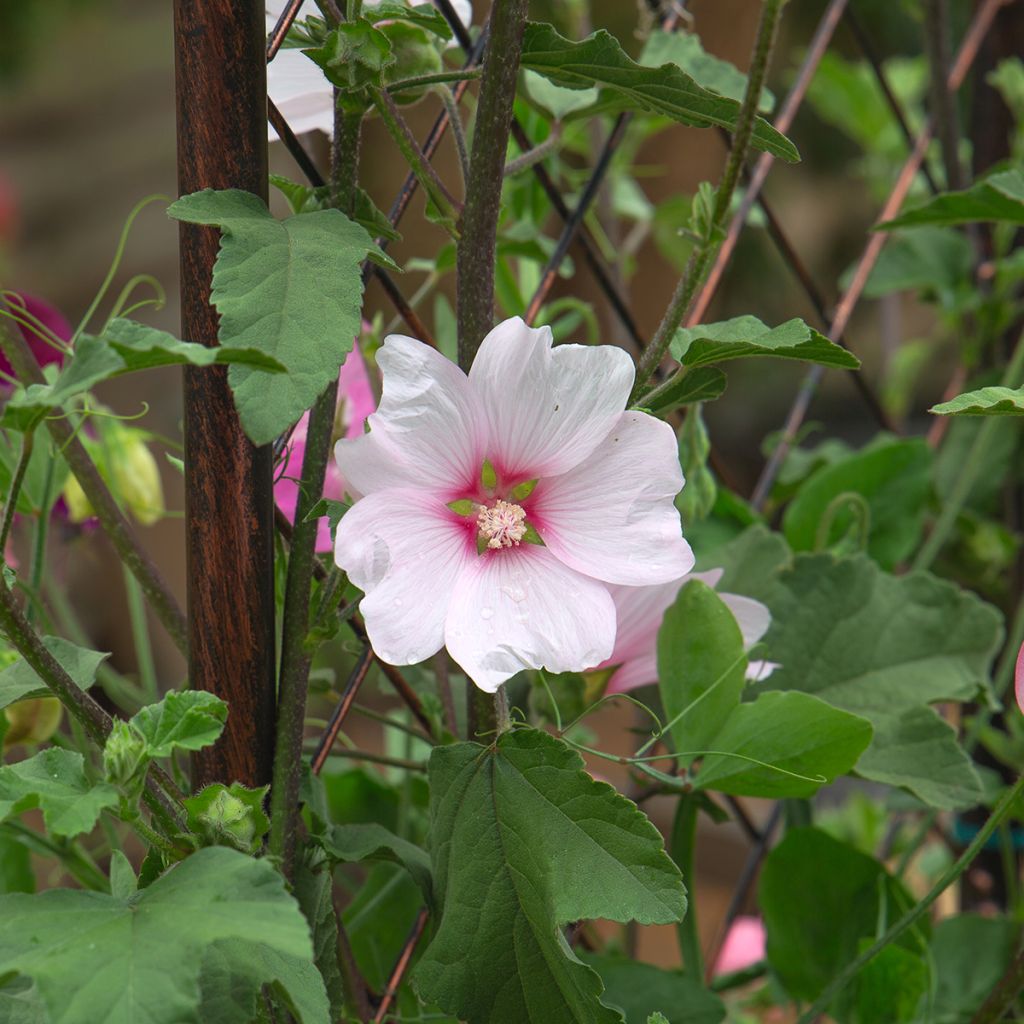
(49, 317)
(355, 402)
(1018, 682)
(744, 945)
(639, 611)
(534, 444)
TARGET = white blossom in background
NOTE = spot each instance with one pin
(298, 87)
(495, 509)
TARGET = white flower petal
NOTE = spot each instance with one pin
(548, 408)
(405, 551)
(612, 517)
(428, 430)
(758, 670)
(751, 616)
(521, 608)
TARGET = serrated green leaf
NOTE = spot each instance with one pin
(54, 780)
(746, 336)
(354, 55)
(188, 720)
(306, 198)
(292, 289)
(423, 14)
(702, 384)
(19, 680)
(701, 666)
(347, 843)
(998, 198)
(881, 647)
(791, 731)
(524, 841)
(992, 401)
(600, 60)
(95, 957)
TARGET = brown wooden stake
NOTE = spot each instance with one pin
(220, 79)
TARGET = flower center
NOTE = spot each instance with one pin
(502, 525)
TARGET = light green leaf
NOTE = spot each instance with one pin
(820, 898)
(684, 49)
(348, 843)
(523, 842)
(555, 99)
(746, 336)
(701, 667)
(95, 957)
(332, 511)
(992, 401)
(889, 987)
(999, 198)
(292, 289)
(16, 873)
(188, 720)
(643, 992)
(19, 1003)
(307, 198)
(19, 680)
(54, 780)
(791, 731)
(354, 55)
(892, 476)
(880, 646)
(703, 384)
(600, 60)
(423, 14)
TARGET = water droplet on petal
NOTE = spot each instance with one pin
(486, 613)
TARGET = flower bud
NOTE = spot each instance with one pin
(229, 816)
(123, 754)
(32, 721)
(414, 53)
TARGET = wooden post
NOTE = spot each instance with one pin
(220, 78)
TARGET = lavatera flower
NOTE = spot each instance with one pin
(495, 508)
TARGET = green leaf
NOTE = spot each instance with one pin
(19, 1003)
(95, 957)
(889, 987)
(314, 890)
(746, 336)
(642, 992)
(751, 563)
(19, 680)
(999, 198)
(701, 666)
(600, 60)
(332, 510)
(684, 49)
(307, 198)
(555, 99)
(123, 883)
(880, 647)
(791, 731)
(16, 873)
(488, 476)
(523, 842)
(702, 384)
(820, 898)
(54, 780)
(229, 816)
(292, 289)
(657, 1018)
(893, 477)
(348, 843)
(424, 14)
(354, 55)
(187, 720)
(992, 401)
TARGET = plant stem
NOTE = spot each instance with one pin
(479, 229)
(1003, 995)
(112, 519)
(968, 471)
(16, 482)
(681, 848)
(293, 685)
(440, 78)
(140, 638)
(76, 860)
(410, 149)
(535, 155)
(839, 982)
(700, 262)
(458, 134)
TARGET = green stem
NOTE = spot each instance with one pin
(700, 262)
(140, 638)
(682, 847)
(410, 149)
(994, 1008)
(76, 860)
(440, 78)
(293, 684)
(968, 471)
(111, 518)
(40, 532)
(534, 156)
(154, 838)
(16, 482)
(458, 133)
(999, 814)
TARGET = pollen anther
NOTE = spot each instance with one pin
(502, 525)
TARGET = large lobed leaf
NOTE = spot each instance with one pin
(291, 289)
(187, 720)
(215, 927)
(666, 90)
(524, 842)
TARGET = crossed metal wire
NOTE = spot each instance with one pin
(834, 320)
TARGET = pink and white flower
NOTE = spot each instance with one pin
(639, 611)
(495, 508)
(744, 945)
(355, 402)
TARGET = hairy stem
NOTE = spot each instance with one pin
(474, 261)
(458, 134)
(16, 482)
(701, 260)
(111, 518)
(293, 684)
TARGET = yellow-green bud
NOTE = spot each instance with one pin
(32, 721)
(123, 754)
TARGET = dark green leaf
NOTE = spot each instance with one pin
(703, 384)
(187, 720)
(333, 510)
(374, 842)
(354, 55)
(999, 197)
(19, 680)
(314, 889)
(423, 14)
(523, 842)
(307, 198)
(16, 873)
(993, 401)
(600, 60)
(746, 336)
(938, 262)
(890, 987)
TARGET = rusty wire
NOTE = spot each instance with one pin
(341, 710)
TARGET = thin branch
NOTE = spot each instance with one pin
(532, 157)
(401, 966)
(341, 710)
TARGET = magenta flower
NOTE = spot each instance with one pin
(355, 402)
(51, 318)
(497, 507)
(1018, 681)
(640, 610)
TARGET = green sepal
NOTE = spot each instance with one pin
(532, 536)
(463, 507)
(488, 477)
(481, 543)
(524, 490)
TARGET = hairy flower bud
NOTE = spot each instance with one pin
(123, 755)
(229, 816)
